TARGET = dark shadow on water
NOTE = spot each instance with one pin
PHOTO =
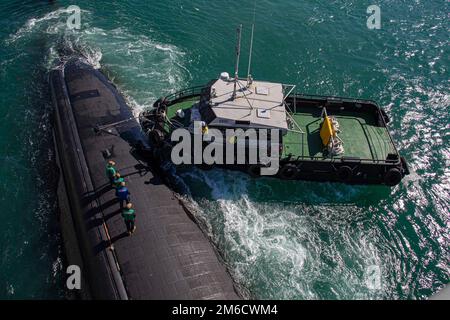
(267, 190)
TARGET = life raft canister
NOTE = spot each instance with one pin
(288, 172)
(344, 174)
(393, 177)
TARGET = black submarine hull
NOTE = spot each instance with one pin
(169, 257)
(100, 277)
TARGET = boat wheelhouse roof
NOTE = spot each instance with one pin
(260, 105)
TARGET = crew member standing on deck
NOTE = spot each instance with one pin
(123, 194)
(117, 180)
(129, 215)
(111, 171)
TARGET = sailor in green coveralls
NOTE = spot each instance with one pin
(129, 215)
(111, 171)
(117, 181)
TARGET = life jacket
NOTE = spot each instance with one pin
(128, 214)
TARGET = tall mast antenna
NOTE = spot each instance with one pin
(249, 74)
(238, 53)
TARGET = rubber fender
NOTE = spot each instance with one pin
(393, 177)
(288, 172)
(344, 174)
(405, 166)
(385, 116)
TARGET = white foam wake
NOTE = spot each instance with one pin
(276, 251)
(143, 68)
(37, 24)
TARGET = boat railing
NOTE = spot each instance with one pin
(333, 158)
(293, 109)
(344, 99)
(337, 158)
(301, 144)
(186, 93)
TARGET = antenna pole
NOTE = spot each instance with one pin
(249, 75)
(238, 53)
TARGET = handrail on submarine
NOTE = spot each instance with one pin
(99, 128)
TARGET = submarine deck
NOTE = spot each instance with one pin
(168, 257)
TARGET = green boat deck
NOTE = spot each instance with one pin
(183, 105)
(361, 136)
(360, 133)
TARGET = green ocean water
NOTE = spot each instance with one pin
(282, 240)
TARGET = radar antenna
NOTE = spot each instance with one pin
(238, 53)
(249, 74)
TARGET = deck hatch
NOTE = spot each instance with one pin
(263, 113)
(88, 94)
(262, 91)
